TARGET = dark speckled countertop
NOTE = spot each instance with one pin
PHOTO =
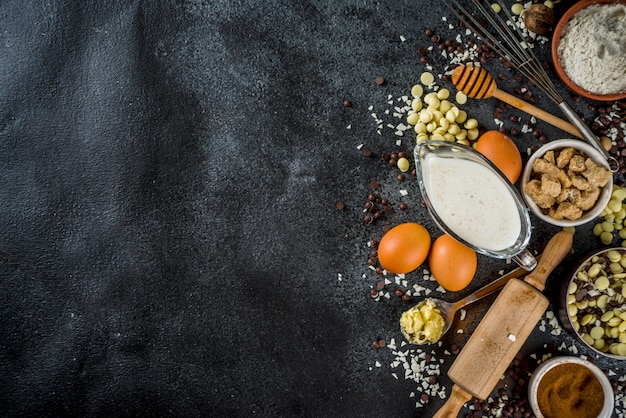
(170, 243)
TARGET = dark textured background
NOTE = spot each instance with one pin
(169, 241)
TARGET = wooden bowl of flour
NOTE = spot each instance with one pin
(592, 66)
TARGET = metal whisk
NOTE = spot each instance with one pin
(512, 47)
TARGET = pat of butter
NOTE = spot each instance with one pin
(423, 323)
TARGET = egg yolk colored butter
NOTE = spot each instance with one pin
(423, 323)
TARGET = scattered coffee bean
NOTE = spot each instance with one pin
(340, 205)
(347, 103)
(380, 81)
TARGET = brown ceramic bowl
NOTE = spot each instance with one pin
(558, 31)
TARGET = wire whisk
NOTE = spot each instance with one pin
(507, 40)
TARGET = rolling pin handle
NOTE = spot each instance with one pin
(455, 402)
(556, 250)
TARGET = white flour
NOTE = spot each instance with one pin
(592, 50)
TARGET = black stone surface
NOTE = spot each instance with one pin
(169, 238)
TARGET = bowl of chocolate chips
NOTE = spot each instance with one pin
(592, 304)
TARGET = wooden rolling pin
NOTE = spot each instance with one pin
(502, 332)
(477, 83)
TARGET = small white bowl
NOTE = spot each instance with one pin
(588, 150)
(543, 368)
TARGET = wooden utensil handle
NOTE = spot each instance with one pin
(556, 250)
(505, 327)
(539, 113)
(458, 397)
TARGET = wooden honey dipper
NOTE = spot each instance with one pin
(477, 83)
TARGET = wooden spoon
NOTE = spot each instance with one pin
(449, 309)
(477, 83)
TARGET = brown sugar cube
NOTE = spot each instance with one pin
(588, 198)
(564, 157)
(566, 210)
(542, 166)
(579, 181)
(564, 179)
(533, 190)
(596, 174)
(577, 164)
(570, 194)
(550, 185)
(549, 157)
(552, 213)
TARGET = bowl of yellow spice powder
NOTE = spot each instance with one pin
(567, 386)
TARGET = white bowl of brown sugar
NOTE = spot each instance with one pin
(567, 182)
